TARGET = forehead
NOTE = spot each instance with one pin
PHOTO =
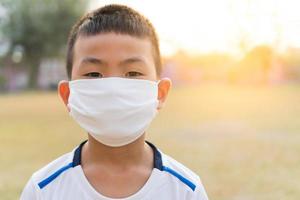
(113, 47)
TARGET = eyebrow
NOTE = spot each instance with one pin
(133, 60)
(92, 60)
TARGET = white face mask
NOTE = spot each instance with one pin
(115, 111)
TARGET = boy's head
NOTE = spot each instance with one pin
(114, 41)
(112, 20)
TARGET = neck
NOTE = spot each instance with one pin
(135, 153)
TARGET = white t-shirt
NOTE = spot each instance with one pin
(63, 179)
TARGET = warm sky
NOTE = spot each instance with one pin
(201, 26)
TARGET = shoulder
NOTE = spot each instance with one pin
(183, 174)
(179, 170)
(52, 169)
(180, 178)
(45, 175)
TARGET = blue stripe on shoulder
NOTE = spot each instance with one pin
(53, 176)
(180, 177)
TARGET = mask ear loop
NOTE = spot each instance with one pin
(158, 101)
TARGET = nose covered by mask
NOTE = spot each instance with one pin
(114, 111)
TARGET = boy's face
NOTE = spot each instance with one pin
(114, 55)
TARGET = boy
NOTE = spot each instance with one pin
(113, 64)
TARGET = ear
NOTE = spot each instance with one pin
(164, 86)
(64, 92)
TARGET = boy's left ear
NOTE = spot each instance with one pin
(64, 92)
(164, 86)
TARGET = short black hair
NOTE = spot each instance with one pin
(118, 19)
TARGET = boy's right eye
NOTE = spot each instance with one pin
(93, 75)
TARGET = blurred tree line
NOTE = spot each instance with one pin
(37, 29)
(260, 65)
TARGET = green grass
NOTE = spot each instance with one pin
(244, 142)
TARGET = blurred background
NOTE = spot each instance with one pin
(233, 113)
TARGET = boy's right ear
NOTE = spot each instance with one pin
(64, 92)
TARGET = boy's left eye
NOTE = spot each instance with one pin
(133, 74)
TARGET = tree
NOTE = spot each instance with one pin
(40, 28)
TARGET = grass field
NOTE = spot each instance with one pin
(244, 142)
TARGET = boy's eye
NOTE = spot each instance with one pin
(94, 75)
(133, 74)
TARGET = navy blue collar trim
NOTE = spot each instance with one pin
(77, 154)
(157, 156)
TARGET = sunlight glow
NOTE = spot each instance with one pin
(230, 26)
